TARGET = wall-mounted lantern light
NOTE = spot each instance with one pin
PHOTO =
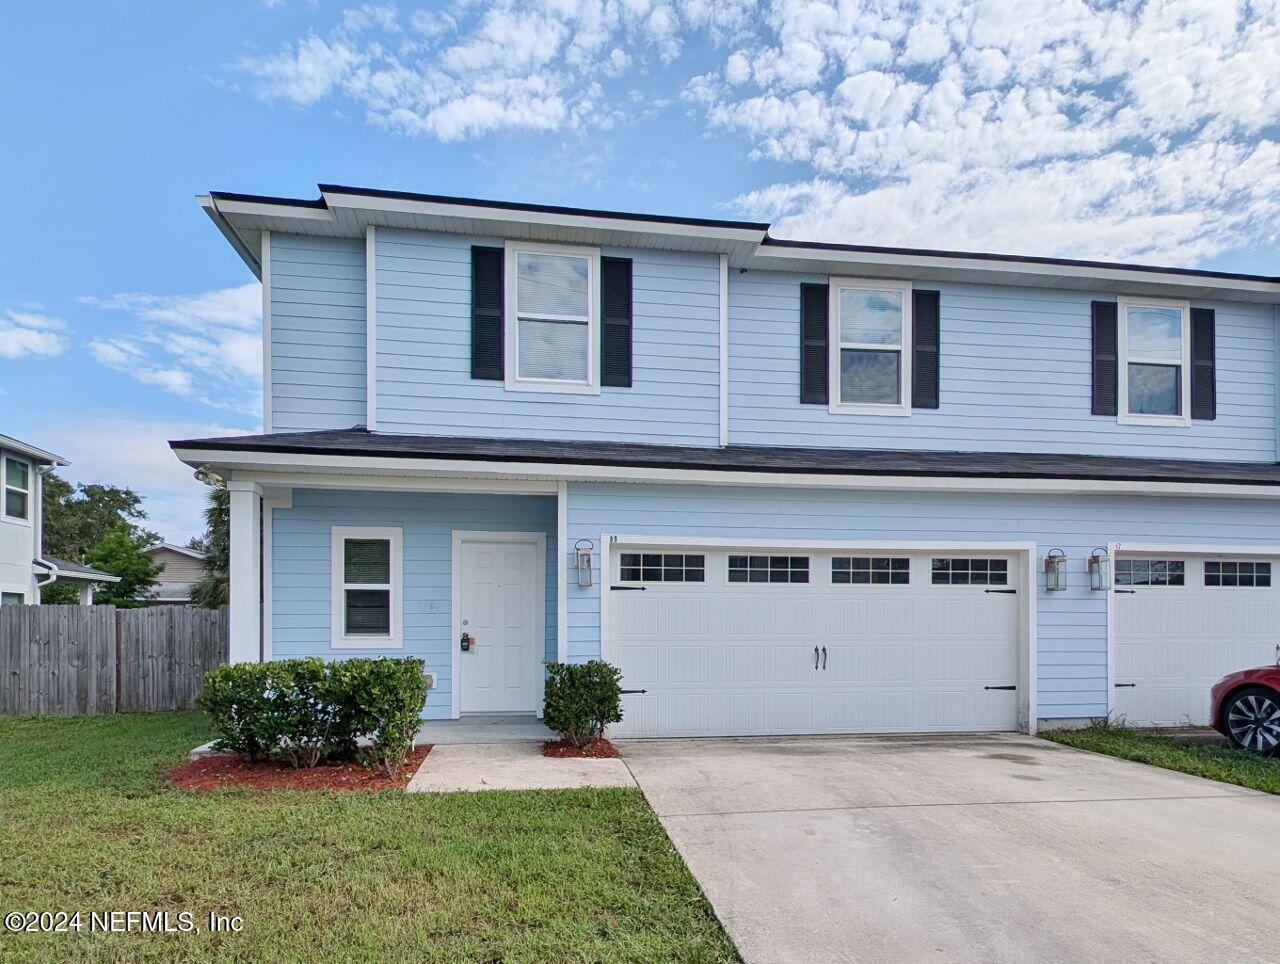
(1055, 570)
(582, 557)
(1099, 570)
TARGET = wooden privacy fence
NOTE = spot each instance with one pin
(66, 660)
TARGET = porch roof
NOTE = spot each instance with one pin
(759, 459)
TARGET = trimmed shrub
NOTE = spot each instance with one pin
(307, 710)
(382, 699)
(581, 699)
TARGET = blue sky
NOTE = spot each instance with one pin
(1140, 131)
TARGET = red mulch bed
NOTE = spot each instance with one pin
(229, 770)
(600, 749)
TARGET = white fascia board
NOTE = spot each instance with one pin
(263, 209)
(12, 445)
(494, 215)
(620, 540)
(1116, 280)
(1193, 548)
(398, 472)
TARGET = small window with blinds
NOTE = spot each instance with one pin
(366, 587)
(553, 305)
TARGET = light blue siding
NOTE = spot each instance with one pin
(1072, 625)
(424, 382)
(300, 568)
(1015, 377)
(317, 333)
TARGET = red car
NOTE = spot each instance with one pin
(1246, 709)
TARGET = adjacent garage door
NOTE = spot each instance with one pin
(1181, 623)
(730, 642)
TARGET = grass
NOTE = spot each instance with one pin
(1200, 758)
(88, 823)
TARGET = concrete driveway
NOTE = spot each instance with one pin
(966, 848)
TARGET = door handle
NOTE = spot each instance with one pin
(1014, 687)
(1007, 592)
(824, 657)
(1125, 686)
(815, 657)
(1127, 592)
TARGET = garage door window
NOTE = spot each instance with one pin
(1151, 572)
(871, 570)
(1243, 575)
(970, 572)
(663, 567)
(776, 569)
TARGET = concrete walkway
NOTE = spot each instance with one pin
(984, 848)
(511, 766)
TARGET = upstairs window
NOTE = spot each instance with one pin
(553, 305)
(17, 489)
(1155, 369)
(366, 587)
(871, 330)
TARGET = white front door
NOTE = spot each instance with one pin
(1182, 622)
(735, 642)
(501, 608)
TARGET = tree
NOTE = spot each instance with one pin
(123, 553)
(78, 519)
(213, 590)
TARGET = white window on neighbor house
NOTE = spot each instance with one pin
(1155, 362)
(552, 303)
(12, 598)
(367, 611)
(17, 489)
(870, 347)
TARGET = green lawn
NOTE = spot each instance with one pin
(1202, 759)
(87, 823)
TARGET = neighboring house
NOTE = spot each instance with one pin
(787, 487)
(180, 569)
(24, 568)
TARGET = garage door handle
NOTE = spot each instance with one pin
(1125, 685)
(1007, 592)
(631, 692)
(1127, 592)
(628, 588)
(815, 657)
(1012, 687)
(824, 657)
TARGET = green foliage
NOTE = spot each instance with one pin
(123, 553)
(1200, 754)
(307, 710)
(78, 518)
(558, 875)
(214, 589)
(381, 700)
(581, 699)
(60, 594)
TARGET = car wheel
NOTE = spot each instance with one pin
(1253, 720)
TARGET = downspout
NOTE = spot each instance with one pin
(37, 513)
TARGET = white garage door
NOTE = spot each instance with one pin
(1181, 623)
(730, 642)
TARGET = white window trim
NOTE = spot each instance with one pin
(5, 487)
(1122, 324)
(834, 404)
(339, 638)
(511, 328)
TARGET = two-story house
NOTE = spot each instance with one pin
(787, 487)
(24, 568)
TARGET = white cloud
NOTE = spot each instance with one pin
(24, 333)
(136, 453)
(205, 346)
(1129, 124)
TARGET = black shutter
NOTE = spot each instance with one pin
(1204, 382)
(486, 312)
(615, 322)
(814, 309)
(925, 338)
(1105, 362)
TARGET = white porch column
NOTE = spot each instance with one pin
(86, 594)
(246, 572)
